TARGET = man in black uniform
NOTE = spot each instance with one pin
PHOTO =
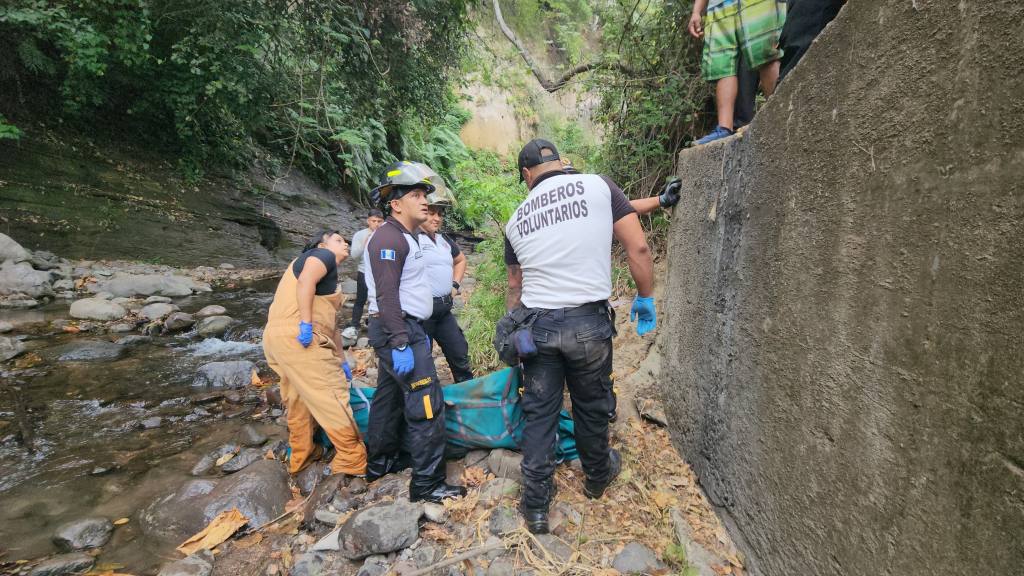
(558, 255)
(400, 301)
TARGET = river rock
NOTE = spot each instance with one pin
(505, 464)
(121, 328)
(64, 285)
(307, 564)
(86, 351)
(178, 321)
(133, 340)
(503, 520)
(348, 287)
(76, 562)
(211, 310)
(97, 309)
(496, 489)
(11, 250)
(157, 310)
(43, 260)
(152, 422)
(251, 437)
(259, 492)
(214, 326)
(179, 514)
(380, 529)
(636, 558)
(5, 326)
(376, 565)
(227, 374)
(9, 348)
(150, 284)
(242, 459)
(194, 565)
(158, 300)
(21, 278)
(82, 534)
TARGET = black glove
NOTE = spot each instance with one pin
(670, 196)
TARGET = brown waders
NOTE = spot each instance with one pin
(312, 383)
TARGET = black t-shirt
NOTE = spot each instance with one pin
(329, 283)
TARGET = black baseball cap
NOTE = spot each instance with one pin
(532, 154)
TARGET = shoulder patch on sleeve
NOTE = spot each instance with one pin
(387, 254)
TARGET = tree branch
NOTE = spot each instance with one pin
(547, 84)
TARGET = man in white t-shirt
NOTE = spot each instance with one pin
(558, 254)
(359, 240)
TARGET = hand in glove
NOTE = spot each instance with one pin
(670, 196)
(402, 360)
(346, 369)
(643, 308)
(305, 336)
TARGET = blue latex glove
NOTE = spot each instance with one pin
(346, 369)
(402, 360)
(643, 308)
(305, 336)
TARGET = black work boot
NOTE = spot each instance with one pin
(536, 520)
(595, 490)
(441, 492)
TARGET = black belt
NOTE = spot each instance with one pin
(376, 316)
(446, 299)
(588, 309)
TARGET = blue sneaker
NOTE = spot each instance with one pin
(717, 134)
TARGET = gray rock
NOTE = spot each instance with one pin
(85, 351)
(83, 534)
(393, 485)
(97, 309)
(425, 555)
(260, 492)
(504, 520)
(505, 464)
(157, 310)
(214, 326)
(242, 459)
(636, 558)
(178, 515)
(348, 287)
(309, 477)
(362, 342)
(64, 284)
(204, 465)
(307, 564)
(121, 328)
(178, 321)
(554, 546)
(158, 300)
(19, 303)
(502, 566)
(380, 529)
(493, 491)
(149, 284)
(194, 565)
(61, 564)
(152, 422)
(251, 437)
(9, 348)
(133, 340)
(326, 516)
(5, 326)
(11, 250)
(227, 266)
(376, 565)
(228, 374)
(104, 295)
(43, 260)
(211, 310)
(477, 458)
(21, 278)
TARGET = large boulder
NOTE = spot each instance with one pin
(242, 460)
(380, 529)
(228, 374)
(157, 310)
(97, 309)
(21, 278)
(214, 326)
(11, 250)
(9, 348)
(260, 493)
(74, 563)
(149, 284)
(179, 514)
(85, 351)
(83, 534)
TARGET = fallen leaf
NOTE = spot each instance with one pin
(218, 530)
(121, 521)
(256, 379)
(71, 329)
(224, 459)
(662, 499)
(475, 476)
(249, 541)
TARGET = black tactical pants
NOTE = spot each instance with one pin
(362, 293)
(574, 346)
(413, 403)
(444, 328)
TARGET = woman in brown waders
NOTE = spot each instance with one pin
(301, 346)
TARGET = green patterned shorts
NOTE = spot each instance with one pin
(750, 26)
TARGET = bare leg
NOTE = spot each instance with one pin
(725, 98)
(769, 74)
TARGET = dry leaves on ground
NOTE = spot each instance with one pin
(218, 530)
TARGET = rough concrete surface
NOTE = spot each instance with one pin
(845, 363)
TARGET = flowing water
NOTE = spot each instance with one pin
(71, 440)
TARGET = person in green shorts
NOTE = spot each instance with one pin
(734, 29)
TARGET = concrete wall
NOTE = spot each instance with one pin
(842, 343)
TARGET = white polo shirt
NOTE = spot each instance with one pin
(440, 253)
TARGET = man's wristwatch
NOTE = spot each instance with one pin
(456, 285)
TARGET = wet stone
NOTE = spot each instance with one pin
(87, 351)
(214, 326)
(83, 534)
(133, 340)
(194, 565)
(242, 459)
(152, 422)
(158, 300)
(380, 529)
(309, 477)
(251, 437)
(63, 564)
(178, 321)
(121, 327)
(211, 310)
(9, 348)
(96, 309)
(229, 374)
(5, 326)
(307, 564)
